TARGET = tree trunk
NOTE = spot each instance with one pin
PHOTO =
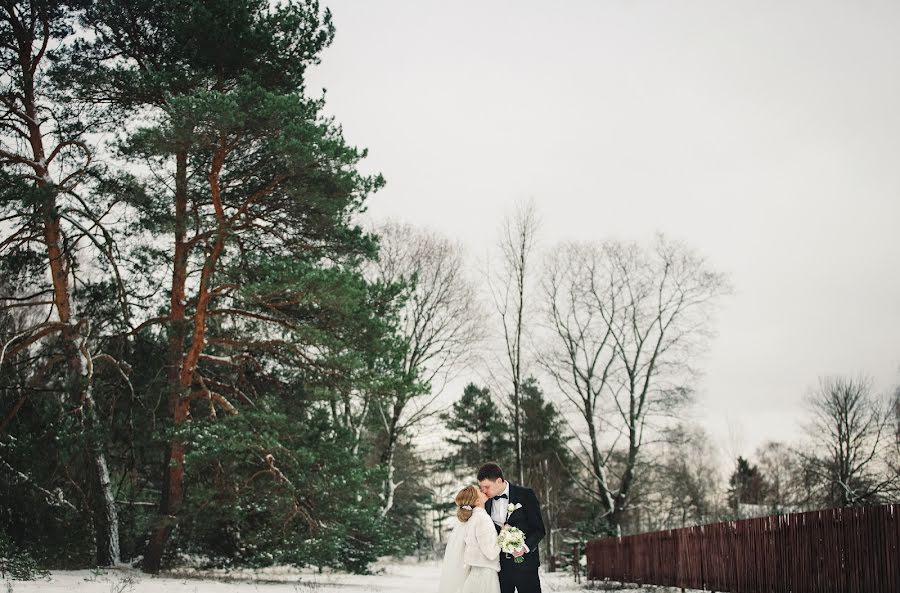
(517, 432)
(551, 517)
(387, 459)
(621, 497)
(596, 463)
(172, 492)
(390, 487)
(106, 519)
(182, 371)
(178, 407)
(517, 366)
(79, 382)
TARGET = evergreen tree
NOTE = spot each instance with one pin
(286, 489)
(543, 441)
(746, 485)
(253, 188)
(547, 461)
(478, 432)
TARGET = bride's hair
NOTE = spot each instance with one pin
(467, 497)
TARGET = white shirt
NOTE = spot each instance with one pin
(499, 508)
(498, 511)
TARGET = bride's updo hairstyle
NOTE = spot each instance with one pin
(467, 497)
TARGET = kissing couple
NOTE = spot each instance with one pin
(493, 547)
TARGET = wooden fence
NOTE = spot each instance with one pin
(847, 550)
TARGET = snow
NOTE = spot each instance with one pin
(389, 577)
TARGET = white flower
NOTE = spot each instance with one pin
(511, 539)
(512, 507)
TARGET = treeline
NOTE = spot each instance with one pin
(586, 394)
(847, 453)
(203, 355)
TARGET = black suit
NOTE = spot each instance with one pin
(522, 577)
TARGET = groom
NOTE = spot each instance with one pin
(522, 577)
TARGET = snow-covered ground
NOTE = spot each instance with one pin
(389, 577)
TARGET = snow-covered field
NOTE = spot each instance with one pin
(389, 577)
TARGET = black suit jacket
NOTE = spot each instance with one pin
(529, 520)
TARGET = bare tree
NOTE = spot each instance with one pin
(626, 322)
(682, 486)
(439, 323)
(510, 289)
(897, 418)
(581, 357)
(849, 433)
(791, 486)
(895, 453)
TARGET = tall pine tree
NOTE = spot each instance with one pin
(253, 188)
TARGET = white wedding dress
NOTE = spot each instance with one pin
(471, 560)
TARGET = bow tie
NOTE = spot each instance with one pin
(501, 496)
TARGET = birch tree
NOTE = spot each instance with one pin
(439, 322)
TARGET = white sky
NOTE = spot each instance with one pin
(766, 134)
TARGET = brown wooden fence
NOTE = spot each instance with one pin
(848, 550)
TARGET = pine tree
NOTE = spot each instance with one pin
(253, 187)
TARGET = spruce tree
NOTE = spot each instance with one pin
(746, 485)
(478, 432)
(543, 439)
(547, 461)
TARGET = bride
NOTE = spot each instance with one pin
(472, 557)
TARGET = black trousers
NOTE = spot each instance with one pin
(522, 580)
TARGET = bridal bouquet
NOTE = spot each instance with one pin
(510, 540)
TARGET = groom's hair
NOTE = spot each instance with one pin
(490, 471)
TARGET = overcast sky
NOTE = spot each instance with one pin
(766, 134)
